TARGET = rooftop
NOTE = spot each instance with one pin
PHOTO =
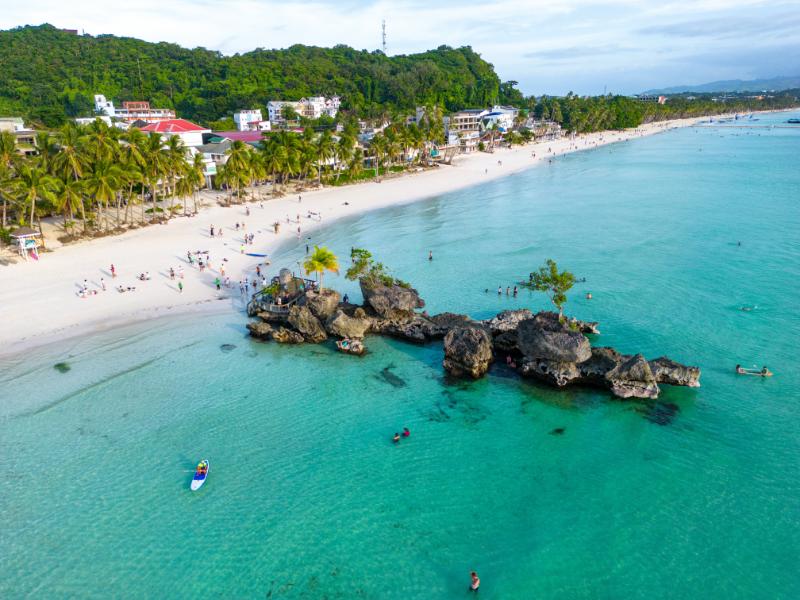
(173, 126)
(243, 136)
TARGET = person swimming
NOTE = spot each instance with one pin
(406, 432)
(396, 437)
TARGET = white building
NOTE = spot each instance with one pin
(250, 120)
(132, 111)
(313, 107)
(103, 106)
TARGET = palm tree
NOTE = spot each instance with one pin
(155, 167)
(238, 167)
(70, 161)
(344, 152)
(8, 155)
(104, 183)
(325, 151)
(319, 261)
(32, 184)
(68, 200)
(196, 176)
(379, 146)
(176, 164)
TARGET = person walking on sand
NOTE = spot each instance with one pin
(113, 271)
(180, 287)
(103, 284)
(475, 582)
(218, 283)
(211, 230)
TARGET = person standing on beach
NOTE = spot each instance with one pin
(103, 284)
(180, 287)
(212, 231)
(217, 283)
(113, 271)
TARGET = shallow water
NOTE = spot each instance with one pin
(692, 497)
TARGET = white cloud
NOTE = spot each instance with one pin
(552, 45)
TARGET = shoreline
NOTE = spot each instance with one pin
(28, 289)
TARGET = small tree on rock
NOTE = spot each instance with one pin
(554, 283)
(321, 260)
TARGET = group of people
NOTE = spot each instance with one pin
(764, 372)
(508, 291)
(397, 437)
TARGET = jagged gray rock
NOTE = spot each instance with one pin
(559, 373)
(507, 320)
(633, 379)
(467, 352)
(260, 330)
(301, 318)
(666, 370)
(543, 337)
(322, 304)
(344, 326)
(287, 336)
(391, 302)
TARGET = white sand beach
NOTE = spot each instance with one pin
(40, 299)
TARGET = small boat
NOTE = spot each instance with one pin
(200, 475)
(794, 121)
(349, 346)
(255, 254)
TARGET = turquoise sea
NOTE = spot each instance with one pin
(696, 496)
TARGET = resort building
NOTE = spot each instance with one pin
(466, 120)
(250, 120)
(501, 116)
(132, 111)
(653, 99)
(191, 134)
(24, 138)
(314, 107)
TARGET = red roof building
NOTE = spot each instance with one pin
(191, 134)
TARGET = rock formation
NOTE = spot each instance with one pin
(391, 302)
(467, 352)
(305, 323)
(542, 346)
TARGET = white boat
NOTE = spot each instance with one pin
(200, 476)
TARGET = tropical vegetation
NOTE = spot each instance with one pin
(553, 282)
(319, 261)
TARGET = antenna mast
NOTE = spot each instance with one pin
(383, 35)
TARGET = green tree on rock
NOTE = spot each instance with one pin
(321, 260)
(554, 283)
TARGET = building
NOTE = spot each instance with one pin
(248, 137)
(190, 134)
(250, 120)
(89, 120)
(314, 107)
(653, 99)
(466, 120)
(132, 111)
(276, 109)
(24, 138)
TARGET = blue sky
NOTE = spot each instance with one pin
(551, 46)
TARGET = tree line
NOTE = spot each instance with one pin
(99, 178)
(49, 76)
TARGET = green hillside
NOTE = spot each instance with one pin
(48, 75)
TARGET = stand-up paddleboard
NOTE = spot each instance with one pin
(254, 254)
(200, 476)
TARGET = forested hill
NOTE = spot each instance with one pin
(49, 75)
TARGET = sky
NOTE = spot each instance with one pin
(548, 46)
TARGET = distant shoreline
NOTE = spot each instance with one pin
(42, 296)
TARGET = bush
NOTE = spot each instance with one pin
(5, 235)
